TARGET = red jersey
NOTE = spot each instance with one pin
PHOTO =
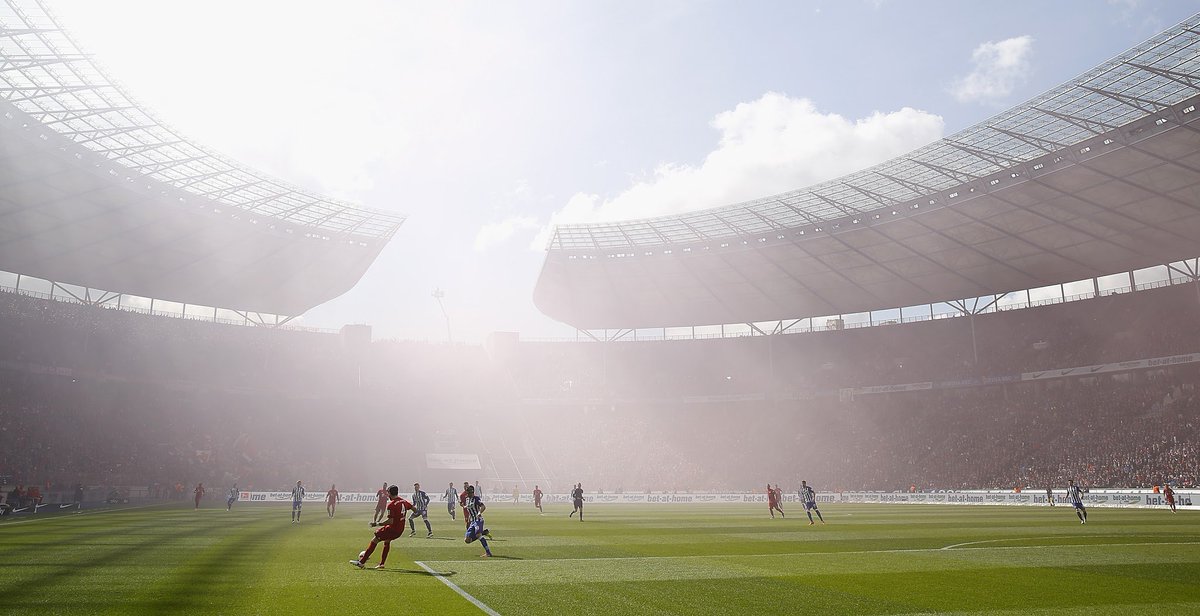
(396, 509)
(462, 498)
(537, 495)
(331, 496)
(1169, 494)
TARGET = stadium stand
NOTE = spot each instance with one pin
(115, 398)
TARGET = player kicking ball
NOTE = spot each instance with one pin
(476, 530)
(393, 529)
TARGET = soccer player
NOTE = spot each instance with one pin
(773, 502)
(394, 529)
(1050, 496)
(537, 499)
(199, 494)
(232, 498)
(809, 497)
(1169, 495)
(78, 498)
(516, 495)
(297, 502)
(778, 499)
(331, 499)
(577, 500)
(478, 490)
(451, 495)
(1076, 495)
(420, 507)
(476, 529)
(462, 500)
(381, 502)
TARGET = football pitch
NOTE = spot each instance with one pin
(646, 559)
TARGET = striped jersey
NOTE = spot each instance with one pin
(298, 493)
(808, 494)
(420, 500)
(1075, 494)
(233, 493)
(451, 495)
(474, 507)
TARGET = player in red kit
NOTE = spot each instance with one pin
(199, 494)
(537, 498)
(331, 500)
(397, 509)
(773, 502)
(381, 501)
(462, 501)
(1169, 495)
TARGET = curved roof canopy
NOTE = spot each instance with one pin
(1096, 176)
(97, 192)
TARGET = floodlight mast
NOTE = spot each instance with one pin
(438, 294)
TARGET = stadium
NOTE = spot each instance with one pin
(964, 350)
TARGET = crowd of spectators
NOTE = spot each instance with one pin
(108, 398)
(1118, 327)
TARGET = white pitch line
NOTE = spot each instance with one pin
(466, 595)
(959, 545)
(897, 551)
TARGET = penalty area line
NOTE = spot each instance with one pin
(466, 595)
(949, 548)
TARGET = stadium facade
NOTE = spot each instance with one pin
(97, 193)
(1100, 175)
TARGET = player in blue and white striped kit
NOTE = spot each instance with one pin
(476, 529)
(1076, 495)
(420, 501)
(297, 502)
(809, 497)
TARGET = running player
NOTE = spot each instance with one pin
(462, 501)
(331, 500)
(477, 529)
(809, 497)
(1076, 495)
(537, 499)
(199, 494)
(577, 500)
(451, 495)
(779, 499)
(773, 502)
(1169, 495)
(232, 498)
(394, 529)
(297, 502)
(420, 507)
(1050, 496)
(381, 502)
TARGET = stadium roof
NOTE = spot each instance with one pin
(87, 173)
(1096, 176)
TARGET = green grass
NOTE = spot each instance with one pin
(702, 559)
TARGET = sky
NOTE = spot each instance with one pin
(488, 122)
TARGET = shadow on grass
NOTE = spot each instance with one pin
(419, 572)
(503, 557)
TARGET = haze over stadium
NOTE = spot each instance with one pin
(937, 292)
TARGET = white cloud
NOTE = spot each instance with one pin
(998, 69)
(767, 146)
(496, 233)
